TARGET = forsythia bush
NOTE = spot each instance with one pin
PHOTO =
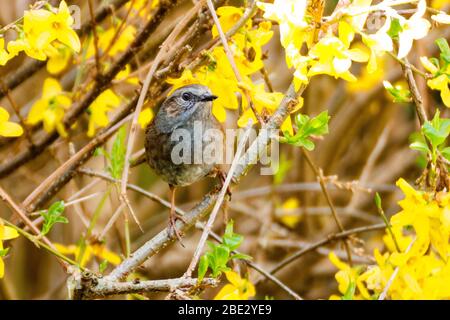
(416, 264)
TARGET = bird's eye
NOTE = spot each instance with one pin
(186, 96)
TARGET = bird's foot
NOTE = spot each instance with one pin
(223, 176)
(173, 217)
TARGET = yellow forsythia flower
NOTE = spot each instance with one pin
(237, 289)
(6, 233)
(422, 232)
(290, 220)
(333, 55)
(59, 59)
(4, 56)
(50, 108)
(7, 128)
(97, 250)
(105, 102)
(145, 117)
(440, 82)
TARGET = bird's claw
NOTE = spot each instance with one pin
(173, 227)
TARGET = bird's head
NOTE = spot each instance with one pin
(183, 103)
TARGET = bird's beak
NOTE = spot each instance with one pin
(208, 97)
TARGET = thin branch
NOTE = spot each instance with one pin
(319, 174)
(94, 32)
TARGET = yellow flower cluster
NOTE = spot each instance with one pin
(6, 233)
(333, 55)
(42, 33)
(217, 74)
(416, 264)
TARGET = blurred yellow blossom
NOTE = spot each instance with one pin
(290, 219)
(7, 128)
(439, 4)
(92, 250)
(237, 289)
(106, 40)
(104, 103)
(141, 7)
(6, 233)
(50, 108)
(145, 117)
(4, 56)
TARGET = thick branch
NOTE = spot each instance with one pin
(89, 286)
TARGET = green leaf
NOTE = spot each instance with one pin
(378, 200)
(399, 94)
(117, 156)
(444, 48)
(222, 254)
(4, 252)
(284, 166)
(436, 130)
(53, 216)
(307, 144)
(218, 256)
(419, 146)
(230, 239)
(307, 127)
(101, 152)
(446, 153)
(202, 267)
(102, 267)
(395, 28)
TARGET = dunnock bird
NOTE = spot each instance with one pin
(185, 107)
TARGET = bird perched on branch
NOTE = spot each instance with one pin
(176, 140)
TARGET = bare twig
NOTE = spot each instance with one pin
(319, 174)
